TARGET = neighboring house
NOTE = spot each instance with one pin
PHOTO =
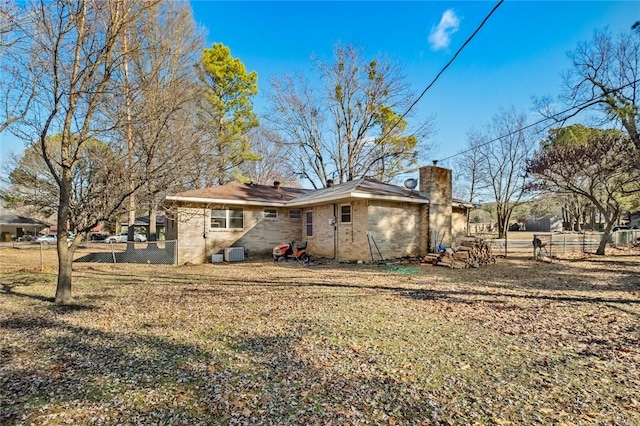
(547, 223)
(16, 226)
(141, 225)
(339, 222)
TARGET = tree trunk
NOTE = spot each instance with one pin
(63, 289)
(131, 217)
(65, 263)
(153, 213)
(603, 242)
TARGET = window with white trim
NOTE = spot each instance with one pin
(295, 214)
(230, 218)
(309, 224)
(345, 213)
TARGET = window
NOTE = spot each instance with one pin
(345, 213)
(231, 218)
(309, 224)
(270, 213)
(295, 214)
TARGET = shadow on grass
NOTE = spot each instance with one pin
(39, 297)
(144, 379)
(527, 280)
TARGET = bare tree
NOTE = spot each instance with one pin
(273, 164)
(299, 122)
(471, 181)
(503, 151)
(605, 77)
(160, 92)
(16, 56)
(74, 43)
(351, 126)
(600, 170)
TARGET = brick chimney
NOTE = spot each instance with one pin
(435, 182)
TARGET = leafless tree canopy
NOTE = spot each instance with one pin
(16, 55)
(79, 53)
(495, 163)
(604, 77)
(350, 125)
(600, 170)
(273, 164)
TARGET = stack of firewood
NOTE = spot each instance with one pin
(471, 253)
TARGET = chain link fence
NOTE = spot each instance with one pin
(558, 244)
(151, 252)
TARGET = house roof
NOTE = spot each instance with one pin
(16, 220)
(144, 220)
(247, 194)
(365, 188)
(240, 193)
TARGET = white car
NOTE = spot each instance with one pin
(45, 240)
(122, 238)
(50, 238)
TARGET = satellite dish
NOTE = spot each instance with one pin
(411, 183)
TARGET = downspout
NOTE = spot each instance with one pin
(334, 223)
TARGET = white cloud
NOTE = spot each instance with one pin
(440, 36)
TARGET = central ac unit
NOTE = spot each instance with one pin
(234, 254)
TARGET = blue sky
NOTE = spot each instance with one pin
(519, 53)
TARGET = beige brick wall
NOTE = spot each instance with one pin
(395, 228)
(258, 236)
(436, 182)
(458, 223)
(267, 232)
(399, 229)
(321, 244)
(352, 237)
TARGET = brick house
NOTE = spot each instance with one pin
(338, 221)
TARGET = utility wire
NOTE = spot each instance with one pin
(578, 107)
(453, 58)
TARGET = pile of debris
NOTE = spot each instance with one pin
(471, 253)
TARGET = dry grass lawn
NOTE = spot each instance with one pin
(517, 343)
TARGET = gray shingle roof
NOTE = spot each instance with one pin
(17, 220)
(360, 188)
(244, 192)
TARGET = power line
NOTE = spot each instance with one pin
(453, 58)
(578, 107)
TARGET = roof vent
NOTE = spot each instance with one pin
(276, 184)
(329, 183)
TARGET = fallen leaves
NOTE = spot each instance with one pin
(512, 343)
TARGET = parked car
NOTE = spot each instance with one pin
(122, 238)
(46, 239)
(98, 237)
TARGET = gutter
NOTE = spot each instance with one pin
(356, 195)
(225, 201)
